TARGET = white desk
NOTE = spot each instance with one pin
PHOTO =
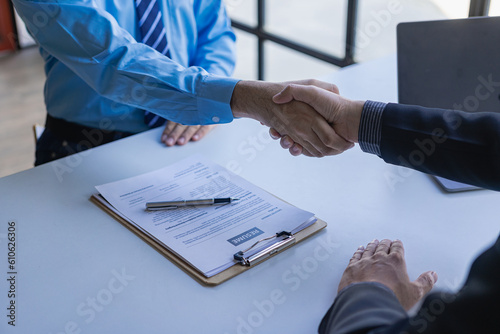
(69, 253)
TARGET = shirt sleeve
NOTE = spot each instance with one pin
(216, 48)
(90, 42)
(370, 127)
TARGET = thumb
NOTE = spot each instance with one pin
(426, 281)
(323, 101)
(285, 96)
(318, 83)
(302, 93)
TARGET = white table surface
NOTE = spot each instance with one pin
(80, 271)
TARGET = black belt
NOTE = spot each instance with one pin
(83, 135)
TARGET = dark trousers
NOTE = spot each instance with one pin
(62, 138)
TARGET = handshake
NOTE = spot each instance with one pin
(309, 116)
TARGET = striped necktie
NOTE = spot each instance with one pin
(153, 34)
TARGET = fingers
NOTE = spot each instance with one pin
(166, 135)
(333, 110)
(425, 282)
(319, 143)
(202, 132)
(325, 133)
(286, 142)
(357, 254)
(384, 246)
(187, 134)
(322, 140)
(299, 123)
(370, 248)
(178, 134)
(175, 133)
(397, 247)
(297, 150)
(294, 148)
(328, 136)
(274, 134)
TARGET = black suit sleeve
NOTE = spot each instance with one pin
(453, 144)
(362, 307)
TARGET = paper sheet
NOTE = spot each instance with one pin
(205, 236)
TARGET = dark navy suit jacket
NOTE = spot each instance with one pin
(460, 146)
(453, 144)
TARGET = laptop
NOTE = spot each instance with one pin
(441, 64)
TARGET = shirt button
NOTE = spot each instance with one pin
(215, 119)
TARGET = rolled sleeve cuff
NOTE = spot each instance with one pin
(214, 99)
(370, 127)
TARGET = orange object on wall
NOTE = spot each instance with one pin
(8, 32)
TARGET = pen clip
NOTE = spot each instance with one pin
(158, 208)
(286, 240)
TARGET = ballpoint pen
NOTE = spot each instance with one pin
(175, 204)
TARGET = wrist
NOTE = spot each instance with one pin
(353, 111)
(253, 99)
(237, 99)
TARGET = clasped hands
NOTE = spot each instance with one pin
(309, 116)
(341, 114)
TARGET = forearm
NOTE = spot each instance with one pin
(251, 99)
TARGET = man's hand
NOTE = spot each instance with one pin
(297, 120)
(342, 114)
(179, 134)
(384, 262)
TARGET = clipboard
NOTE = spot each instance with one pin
(228, 273)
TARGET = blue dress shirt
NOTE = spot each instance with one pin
(99, 76)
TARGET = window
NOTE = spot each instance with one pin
(294, 39)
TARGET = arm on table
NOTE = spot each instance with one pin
(375, 289)
(372, 308)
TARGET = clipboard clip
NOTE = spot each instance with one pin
(283, 240)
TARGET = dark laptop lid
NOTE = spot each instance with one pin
(451, 64)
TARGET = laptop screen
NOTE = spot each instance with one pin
(451, 64)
